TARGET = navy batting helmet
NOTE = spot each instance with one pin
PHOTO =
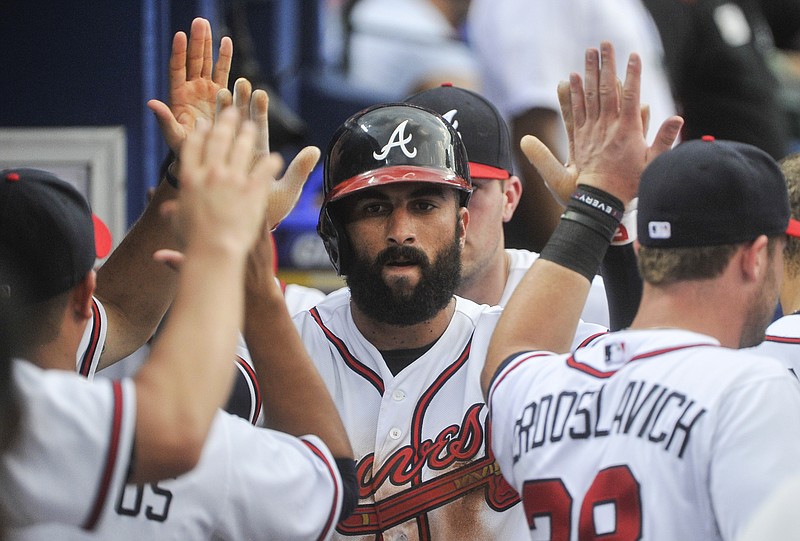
(387, 144)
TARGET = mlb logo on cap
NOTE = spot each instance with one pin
(659, 230)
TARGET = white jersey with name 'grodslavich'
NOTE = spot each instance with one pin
(250, 483)
(652, 434)
(424, 467)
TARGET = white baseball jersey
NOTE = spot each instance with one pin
(424, 465)
(250, 483)
(647, 434)
(594, 311)
(783, 342)
(72, 450)
(777, 519)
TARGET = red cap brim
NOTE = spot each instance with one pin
(396, 174)
(480, 170)
(102, 237)
(794, 228)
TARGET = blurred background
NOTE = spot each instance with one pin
(76, 77)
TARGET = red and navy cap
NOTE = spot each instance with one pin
(49, 238)
(711, 192)
(480, 125)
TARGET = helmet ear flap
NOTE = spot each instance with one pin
(335, 240)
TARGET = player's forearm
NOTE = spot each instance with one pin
(135, 290)
(296, 400)
(189, 373)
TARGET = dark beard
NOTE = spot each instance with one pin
(381, 303)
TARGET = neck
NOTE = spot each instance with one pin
(487, 286)
(54, 355)
(385, 336)
(790, 294)
(693, 306)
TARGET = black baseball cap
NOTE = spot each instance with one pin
(708, 192)
(481, 126)
(49, 238)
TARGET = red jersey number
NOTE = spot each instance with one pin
(615, 486)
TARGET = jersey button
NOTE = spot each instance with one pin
(398, 395)
(395, 433)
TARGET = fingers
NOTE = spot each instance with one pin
(259, 114)
(301, 166)
(607, 84)
(242, 90)
(192, 151)
(177, 61)
(208, 53)
(576, 97)
(171, 258)
(243, 148)
(591, 84)
(219, 143)
(667, 135)
(195, 54)
(558, 179)
(222, 70)
(629, 106)
(645, 118)
(171, 129)
(224, 100)
(285, 193)
(565, 104)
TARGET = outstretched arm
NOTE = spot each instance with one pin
(296, 400)
(609, 154)
(134, 289)
(220, 212)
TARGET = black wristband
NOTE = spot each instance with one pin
(166, 173)
(347, 470)
(584, 233)
(595, 198)
(596, 209)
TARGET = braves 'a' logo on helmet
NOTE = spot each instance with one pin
(398, 139)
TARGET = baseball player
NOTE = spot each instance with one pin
(143, 429)
(665, 430)
(399, 353)
(490, 273)
(783, 336)
(216, 499)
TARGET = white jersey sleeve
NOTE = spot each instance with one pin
(72, 453)
(92, 342)
(782, 342)
(251, 483)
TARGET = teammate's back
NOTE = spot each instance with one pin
(645, 433)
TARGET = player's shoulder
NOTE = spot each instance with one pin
(519, 259)
(332, 313)
(785, 327)
(477, 314)
(329, 304)
(300, 298)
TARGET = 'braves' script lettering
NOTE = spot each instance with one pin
(398, 139)
(453, 443)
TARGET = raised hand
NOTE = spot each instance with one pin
(284, 193)
(222, 201)
(606, 130)
(194, 81)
